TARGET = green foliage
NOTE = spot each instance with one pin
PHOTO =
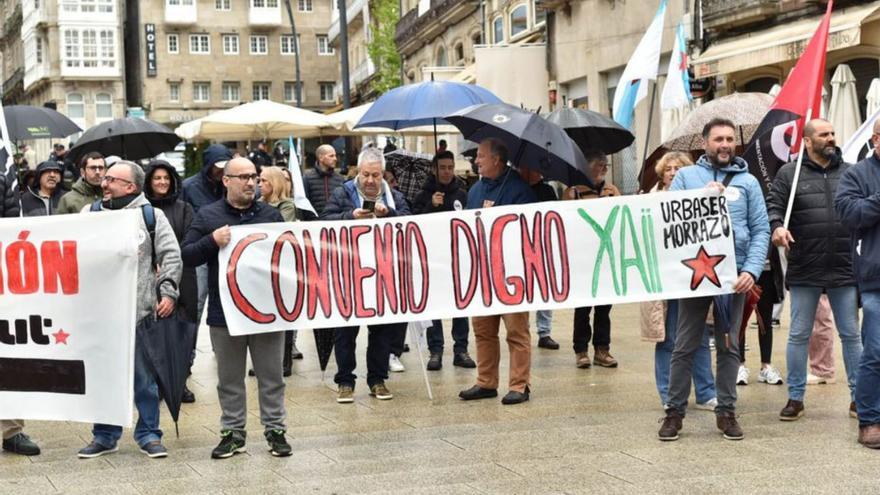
(193, 157)
(382, 49)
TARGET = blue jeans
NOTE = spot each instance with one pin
(459, 336)
(868, 384)
(146, 399)
(544, 322)
(704, 382)
(844, 305)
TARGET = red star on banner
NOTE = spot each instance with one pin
(703, 266)
(60, 336)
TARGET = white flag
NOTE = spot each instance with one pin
(299, 192)
(860, 141)
(5, 143)
(677, 91)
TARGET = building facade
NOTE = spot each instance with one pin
(361, 66)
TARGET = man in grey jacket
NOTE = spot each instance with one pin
(123, 187)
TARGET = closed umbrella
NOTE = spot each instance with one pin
(130, 138)
(592, 130)
(324, 339)
(873, 97)
(843, 113)
(27, 122)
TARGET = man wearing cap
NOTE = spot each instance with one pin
(42, 196)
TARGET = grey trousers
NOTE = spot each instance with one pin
(692, 315)
(266, 354)
(10, 427)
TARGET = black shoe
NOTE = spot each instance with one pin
(435, 362)
(188, 397)
(792, 411)
(671, 426)
(477, 392)
(154, 450)
(775, 323)
(514, 397)
(286, 372)
(463, 360)
(548, 343)
(405, 347)
(21, 444)
(231, 443)
(295, 353)
(251, 372)
(278, 445)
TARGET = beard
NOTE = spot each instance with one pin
(717, 161)
(826, 151)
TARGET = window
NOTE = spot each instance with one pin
(263, 4)
(498, 30)
(105, 6)
(230, 44)
(328, 91)
(201, 92)
(287, 44)
(304, 5)
(231, 92)
(290, 93)
(540, 15)
(108, 48)
(519, 20)
(200, 44)
(477, 38)
(103, 106)
(173, 43)
(174, 92)
(85, 6)
(82, 48)
(76, 109)
(324, 47)
(441, 57)
(459, 53)
(71, 48)
(222, 4)
(39, 49)
(259, 45)
(89, 48)
(261, 91)
(179, 2)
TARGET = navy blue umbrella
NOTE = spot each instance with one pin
(532, 141)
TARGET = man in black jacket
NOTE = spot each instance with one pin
(9, 206)
(321, 181)
(819, 258)
(210, 232)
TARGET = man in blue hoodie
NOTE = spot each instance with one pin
(719, 168)
(858, 206)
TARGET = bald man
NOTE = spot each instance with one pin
(819, 258)
(321, 181)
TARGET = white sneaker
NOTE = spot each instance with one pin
(818, 380)
(770, 376)
(742, 376)
(711, 343)
(394, 364)
(709, 405)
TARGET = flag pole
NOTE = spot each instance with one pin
(650, 119)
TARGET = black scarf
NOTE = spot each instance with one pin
(118, 203)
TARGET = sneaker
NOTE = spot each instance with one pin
(792, 411)
(278, 445)
(770, 376)
(395, 365)
(711, 343)
(582, 360)
(604, 358)
(547, 342)
(730, 428)
(463, 360)
(188, 397)
(95, 449)
(853, 412)
(709, 405)
(286, 371)
(154, 450)
(671, 426)
(345, 394)
(295, 353)
(742, 376)
(435, 362)
(231, 443)
(775, 322)
(477, 392)
(21, 444)
(819, 380)
(381, 392)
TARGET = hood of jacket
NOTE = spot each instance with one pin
(173, 190)
(736, 166)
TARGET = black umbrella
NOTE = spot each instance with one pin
(26, 122)
(130, 138)
(532, 142)
(592, 130)
(168, 344)
(324, 338)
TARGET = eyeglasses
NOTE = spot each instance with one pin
(95, 168)
(245, 177)
(110, 179)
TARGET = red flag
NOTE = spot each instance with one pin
(777, 140)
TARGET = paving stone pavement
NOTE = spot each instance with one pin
(584, 431)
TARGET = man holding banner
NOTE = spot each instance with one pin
(719, 168)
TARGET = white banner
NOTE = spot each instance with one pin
(477, 262)
(67, 317)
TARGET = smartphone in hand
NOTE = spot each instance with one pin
(369, 205)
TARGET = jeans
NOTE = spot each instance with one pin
(398, 338)
(704, 382)
(146, 399)
(583, 332)
(544, 322)
(459, 336)
(844, 305)
(378, 349)
(202, 283)
(868, 383)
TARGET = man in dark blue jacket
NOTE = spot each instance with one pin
(500, 185)
(209, 233)
(858, 205)
(366, 196)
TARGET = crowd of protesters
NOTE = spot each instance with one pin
(832, 245)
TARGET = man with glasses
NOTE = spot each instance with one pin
(123, 189)
(87, 189)
(208, 233)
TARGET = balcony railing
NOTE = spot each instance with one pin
(181, 15)
(352, 13)
(721, 15)
(411, 25)
(264, 16)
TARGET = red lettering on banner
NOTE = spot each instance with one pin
(414, 235)
(458, 226)
(318, 275)
(535, 268)
(499, 283)
(360, 273)
(401, 269)
(554, 221)
(483, 252)
(340, 265)
(240, 301)
(59, 264)
(22, 265)
(293, 314)
(383, 244)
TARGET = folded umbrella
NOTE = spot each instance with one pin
(324, 339)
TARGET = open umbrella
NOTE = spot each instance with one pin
(261, 119)
(130, 138)
(27, 122)
(324, 338)
(592, 130)
(532, 141)
(745, 110)
(343, 123)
